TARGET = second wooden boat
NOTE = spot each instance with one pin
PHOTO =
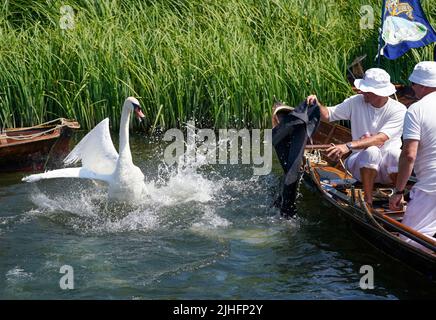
(35, 148)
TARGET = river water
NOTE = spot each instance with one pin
(202, 232)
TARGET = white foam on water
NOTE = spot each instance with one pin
(90, 211)
(210, 221)
(80, 203)
(184, 184)
(18, 274)
(182, 188)
(83, 213)
(5, 221)
(87, 209)
(138, 220)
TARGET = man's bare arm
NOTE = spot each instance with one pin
(405, 167)
(338, 151)
(375, 140)
(407, 161)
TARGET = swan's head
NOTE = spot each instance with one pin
(134, 106)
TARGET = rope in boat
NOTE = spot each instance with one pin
(61, 120)
(46, 123)
(34, 135)
(347, 173)
(314, 156)
(31, 136)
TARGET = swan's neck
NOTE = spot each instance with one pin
(124, 134)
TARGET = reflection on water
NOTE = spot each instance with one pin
(201, 232)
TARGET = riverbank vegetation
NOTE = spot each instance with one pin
(218, 61)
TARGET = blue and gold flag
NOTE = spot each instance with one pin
(404, 27)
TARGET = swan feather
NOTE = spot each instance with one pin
(96, 151)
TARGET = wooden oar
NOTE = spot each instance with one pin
(317, 146)
(409, 230)
(401, 228)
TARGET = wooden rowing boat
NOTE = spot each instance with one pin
(380, 226)
(35, 148)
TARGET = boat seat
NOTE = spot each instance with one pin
(337, 176)
(330, 173)
(334, 176)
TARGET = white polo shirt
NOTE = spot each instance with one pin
(420, 124)
(365, 119)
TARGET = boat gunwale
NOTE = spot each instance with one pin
(55, 130)
(381, 239)
(361, 219)
(61, 122)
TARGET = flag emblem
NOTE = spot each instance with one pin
(404, 27)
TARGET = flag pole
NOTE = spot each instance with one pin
(380, 33)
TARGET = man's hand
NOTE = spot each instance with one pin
(396, 202)
(337, 152)
(312, 99)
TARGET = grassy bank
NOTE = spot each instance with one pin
(218, 61)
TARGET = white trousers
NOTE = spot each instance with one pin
(421, 214)
(385, 162)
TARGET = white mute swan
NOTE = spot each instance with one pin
(100, 160)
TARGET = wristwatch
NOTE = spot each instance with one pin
(349, 146)
(396, 191)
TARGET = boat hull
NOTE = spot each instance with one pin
(42, 152)
(375, 229)
(390, 245)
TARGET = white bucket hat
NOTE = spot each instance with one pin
(424, 74)
(377, 81)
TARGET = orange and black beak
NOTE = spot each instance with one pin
(138, 112)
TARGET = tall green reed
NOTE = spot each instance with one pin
(218, 61)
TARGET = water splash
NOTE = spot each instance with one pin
(93, 214)
(192, 186)
(184, 182)
(81, 203)
(209, 221)
(87, 210)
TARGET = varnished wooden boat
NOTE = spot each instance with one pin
(380, 226)
(35, 148)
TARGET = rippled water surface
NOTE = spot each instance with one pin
(204, 232)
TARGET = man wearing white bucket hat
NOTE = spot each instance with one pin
(376, 128)
(419, 153)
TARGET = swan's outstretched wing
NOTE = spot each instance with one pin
(95, 150)
(82, 173)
